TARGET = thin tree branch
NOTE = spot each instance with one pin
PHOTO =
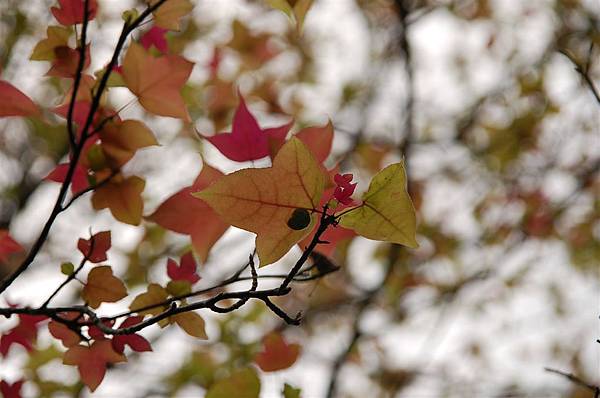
(78, 74)
(576, 380)
(584, 72)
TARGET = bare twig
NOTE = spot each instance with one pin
(576, 380)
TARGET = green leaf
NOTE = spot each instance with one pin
(241, 384)
(387, 213)
(291, 392)
(67, 268)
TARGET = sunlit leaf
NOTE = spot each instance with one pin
(263, 200)
(123, 197)
(103, 287)
(157, 82)
(277, 354)
(387, 213)
(92, 361)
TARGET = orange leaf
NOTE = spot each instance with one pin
(103, 287)
(121, 140)
(185, 214)
(157, 82)
(168, 14)
(191, 323)
(123, 196)
(266, 201)
(14, 103)
(60, 331)
(318, 140)
(92, 361)
(276, 354)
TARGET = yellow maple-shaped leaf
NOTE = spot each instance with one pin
(154, 294)
(157, 81)
(123, 196)
(191, 323)
(267, 201)
(102, 287)
(57, 36)
(168, 14)
(121, 140)
(387, 212)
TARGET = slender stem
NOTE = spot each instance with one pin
(78, 74)
(74, 274)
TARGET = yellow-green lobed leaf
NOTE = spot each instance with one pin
(387, 212)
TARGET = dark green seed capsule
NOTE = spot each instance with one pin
(299, 219)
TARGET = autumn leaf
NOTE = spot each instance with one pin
(387, 213)
(191, 323)
(8, 245)
(154, 294)
(66, 61)
(247, 141)
(136, 342)
(243, 383)
(24, 333)
(123, 197)
(168, 14)
(103, 287)
(60, 331)
(92, 361)
(101, 242)
(11, 390)
(71, 12)
(263, 200)
(79, 182)
(120, 140)
(157, 82)
(57, 36)
(186, 271)
(155, 36)
(13, 102)
(277, 354)
(318, 139)
(185, 214)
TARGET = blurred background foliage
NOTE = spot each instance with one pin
(488, 102)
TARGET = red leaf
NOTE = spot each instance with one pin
(247, 141)
(344, 190)
(13, 102)
(70, 12)
(11, 390)
(94, 331)
(135, 341)
(102, 243)
(92, 361)
(79, 181)
(14, 337)
(155, 36)
(185, 214)
(8, 245)
(276, 354)
(66, 61)
(186, 271)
